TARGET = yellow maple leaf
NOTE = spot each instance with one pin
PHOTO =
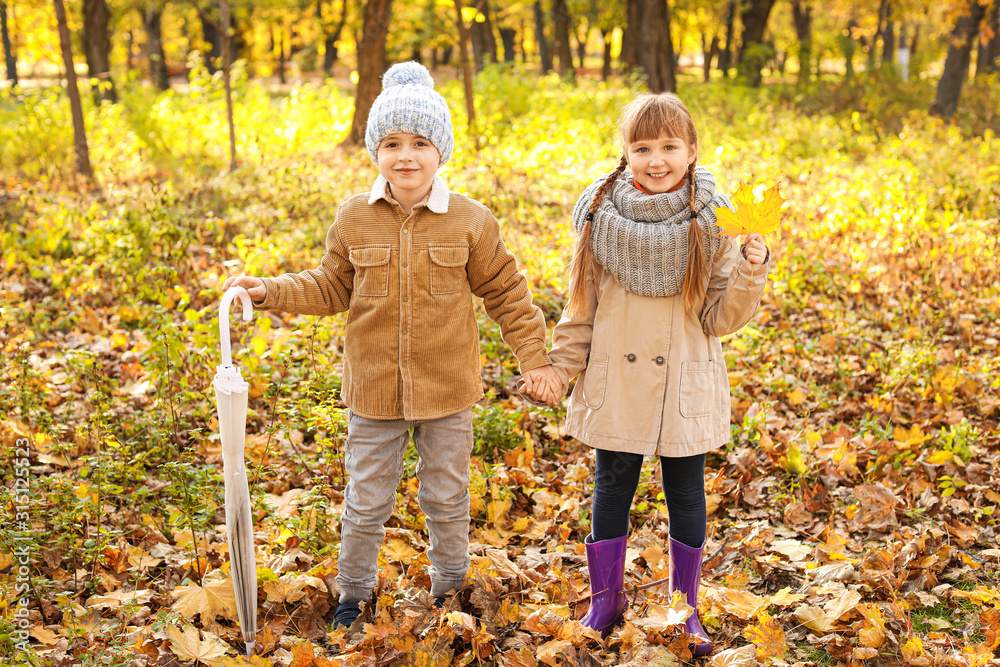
(768, 636)
(751, 216)
(215, 598)
(187, 645)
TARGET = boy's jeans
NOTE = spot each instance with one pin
(374, 461)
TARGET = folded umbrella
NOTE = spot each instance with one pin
(231, 400)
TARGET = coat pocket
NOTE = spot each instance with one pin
(697, 388)
(371, 270)
(448, 272)
(595, 381)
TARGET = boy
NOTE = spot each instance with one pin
(405, 260)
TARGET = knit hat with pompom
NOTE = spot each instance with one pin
(409, 103)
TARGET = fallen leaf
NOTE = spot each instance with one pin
(187, 645)
(768, 636)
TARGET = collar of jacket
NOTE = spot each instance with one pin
(437, 202)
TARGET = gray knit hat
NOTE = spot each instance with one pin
(409, 103)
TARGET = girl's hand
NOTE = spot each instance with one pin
(254, 286)
(543, 384)
(754, 249)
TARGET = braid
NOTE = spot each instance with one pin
(693, 292)
(582, 256)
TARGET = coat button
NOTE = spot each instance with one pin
(631, 358)
(659, 361)
(406, 298)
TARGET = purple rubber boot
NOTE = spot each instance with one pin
(606, 564)
(685, 576)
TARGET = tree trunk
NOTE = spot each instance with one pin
(847, 47)
(97, 48)
(873, 47)
(446, 53)
(656, 51)
(331, 34)
(888, 37)
(709, 55)
(606, 66)
(543, 45)
(956, 65)
(154, 42)
(507, 37)
(8, 51)
(560, 19)
(79, 131)
(371, 65)
(989, 53)
(630, 38)
(463, 56)
(726, 57)
(754, 52)
(581, 44)
(802, 16)
(210, 34)
(484, 44)
(226, 58)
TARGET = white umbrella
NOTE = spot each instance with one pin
(231, 401)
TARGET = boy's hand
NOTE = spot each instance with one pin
(544, 384)
(754, 249)
(254, 286)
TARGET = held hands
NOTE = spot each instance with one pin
(543, 384)
(254, 286)
(754, 249)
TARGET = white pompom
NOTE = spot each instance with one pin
(404, 73)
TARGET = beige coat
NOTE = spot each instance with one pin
(654, 378)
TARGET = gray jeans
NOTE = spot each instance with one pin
(374, 460)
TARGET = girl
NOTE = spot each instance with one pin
(653, 286)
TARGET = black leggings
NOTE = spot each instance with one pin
(683, 487)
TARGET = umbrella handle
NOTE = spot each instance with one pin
(232, 293)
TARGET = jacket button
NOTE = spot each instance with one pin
(404, 263)
(406, 231)
(406, 298)
(631, 358)
(659, 361)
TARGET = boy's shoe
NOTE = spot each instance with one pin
(346, 614)
(439, 602)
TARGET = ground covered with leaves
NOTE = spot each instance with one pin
(852, 517)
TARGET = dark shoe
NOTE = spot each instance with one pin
(439, 602)
(685, 576)
(606, 565)
(346, 614)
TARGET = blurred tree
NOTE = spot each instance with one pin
(726, 56)
(543, 45)
(73, 91)
(507, 37)
(97, 48)
(802, 16)
(956, 65)
(630, 38)
(8, 50)
(989, 48)
(152, 19)
(371, 64)
(463, 58)
(226, 61)
(484, 44)
(331, 34)
(561, 22)
(754, 51)
(655, 48)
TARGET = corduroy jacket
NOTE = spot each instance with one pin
(411, 347)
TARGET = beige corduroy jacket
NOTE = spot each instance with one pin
(653, 376)
(411, 347)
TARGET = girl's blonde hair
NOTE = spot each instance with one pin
(647, 118)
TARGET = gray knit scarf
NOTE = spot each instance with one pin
(642, 240)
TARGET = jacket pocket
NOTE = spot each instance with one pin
(697, 388)
(448, 272)
(371, 270)
(595, 381)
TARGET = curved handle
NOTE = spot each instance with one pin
(232, 293)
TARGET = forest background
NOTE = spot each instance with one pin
(853, 515)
